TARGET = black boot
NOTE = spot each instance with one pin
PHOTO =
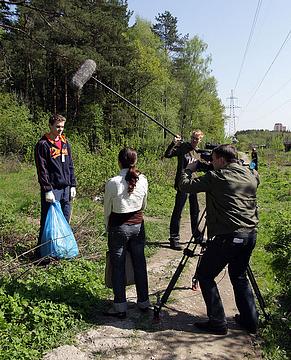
(211, 328)
(249, 328)
(175, 245)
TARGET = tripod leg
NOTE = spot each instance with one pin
(172, 283)
(257, 291)
(195, 285)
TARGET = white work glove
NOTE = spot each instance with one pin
(50, 197)
(192, 165)
(73, 193)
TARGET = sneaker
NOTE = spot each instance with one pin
(175, 245)
(207, 326)
(248, 328)
(114, 313)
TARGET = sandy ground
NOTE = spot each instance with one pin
(174, 337)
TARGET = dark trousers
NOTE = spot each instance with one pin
(233, 250)
(63, 196)
(180, 201)
(129, 237)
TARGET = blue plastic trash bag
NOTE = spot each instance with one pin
(252, 165)
(57, 239)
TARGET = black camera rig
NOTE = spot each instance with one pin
(206, 154)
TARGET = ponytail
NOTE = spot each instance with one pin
(132, 177)
(128, 158)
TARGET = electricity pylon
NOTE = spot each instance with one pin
(231, 116)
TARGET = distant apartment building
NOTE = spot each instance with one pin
(279, 127)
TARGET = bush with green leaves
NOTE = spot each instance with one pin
(49, 302)
(273, 252)
(18, 130)
(280, 247)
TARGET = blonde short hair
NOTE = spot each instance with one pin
(198, 132)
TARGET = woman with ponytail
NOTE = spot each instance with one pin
(124, 199)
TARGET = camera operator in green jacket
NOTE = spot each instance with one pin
(231, 225)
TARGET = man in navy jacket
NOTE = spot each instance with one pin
(55, 170)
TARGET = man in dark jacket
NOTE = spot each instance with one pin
(184, 151)
(231, 224)
(55, 171)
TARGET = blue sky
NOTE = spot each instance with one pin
(263, 89)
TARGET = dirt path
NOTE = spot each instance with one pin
(174, 337)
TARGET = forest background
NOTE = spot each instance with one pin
(165, 73)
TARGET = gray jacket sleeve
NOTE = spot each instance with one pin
(188, 184)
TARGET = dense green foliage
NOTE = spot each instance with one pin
(262, 139)
(18, 129)
(272, 255)
(49, 301)
(44, 43)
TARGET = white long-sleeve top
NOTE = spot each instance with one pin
(117, 199)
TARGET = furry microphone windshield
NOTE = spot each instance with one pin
(83, 74)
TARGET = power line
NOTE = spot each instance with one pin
(249, 41)
(276, 92)
(277, 108)
(269, 68)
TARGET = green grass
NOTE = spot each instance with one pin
(48, 306)
(44, 307)
(271, 258)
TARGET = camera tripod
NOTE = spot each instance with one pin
(189, 252)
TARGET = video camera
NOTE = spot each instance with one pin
(206, 154)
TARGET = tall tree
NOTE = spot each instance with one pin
(200, 106)
(166, 29)
(152, 74)
(50, 39)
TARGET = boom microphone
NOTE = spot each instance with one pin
(86, 71)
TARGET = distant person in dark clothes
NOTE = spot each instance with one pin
(55, 171)
(184, 151)
(254, 161)
(231, 218)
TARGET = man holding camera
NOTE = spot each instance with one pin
(231, 223)
(185, 152)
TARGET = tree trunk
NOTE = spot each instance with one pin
(66, 90)
(55, 93)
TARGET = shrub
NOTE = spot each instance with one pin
(280, 247)
(16, 128)
(18, 131)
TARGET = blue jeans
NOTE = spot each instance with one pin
(63, 196)
(180, 201)
(129, 237)
(235, 251)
